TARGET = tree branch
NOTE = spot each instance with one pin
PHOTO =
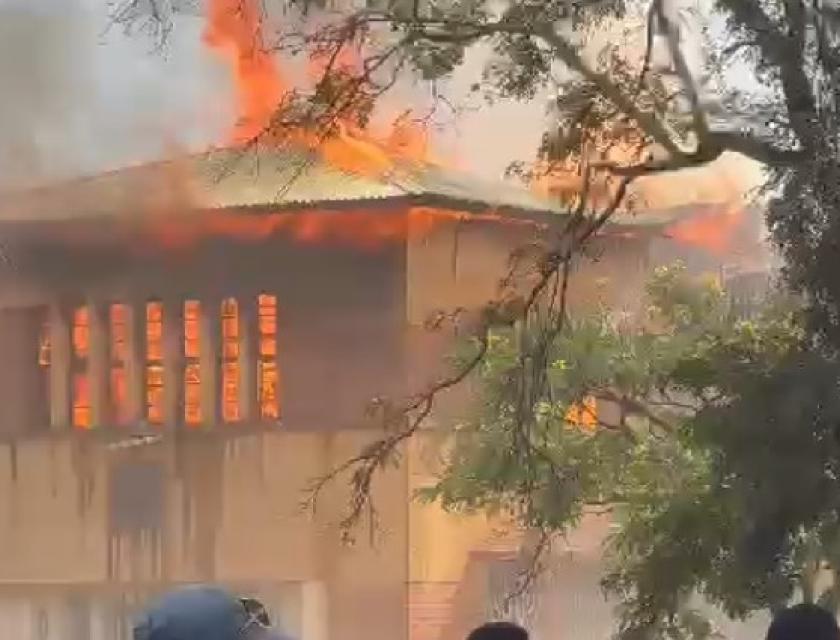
(636, 407)
(647, 121)
(785, 53)
(408, 418)
(701, 127)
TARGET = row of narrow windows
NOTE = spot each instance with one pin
(267, 373)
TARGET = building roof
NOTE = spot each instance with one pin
(225, 179)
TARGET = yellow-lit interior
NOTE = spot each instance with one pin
(192, 366)
(230, 360)
(192, 394)
(119, 344)
(117, 319)
(269, 378)
(154, 362)
(81, 388)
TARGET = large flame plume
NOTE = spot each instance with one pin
(716, 232)
(234, 31)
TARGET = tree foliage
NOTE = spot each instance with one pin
(719, 458)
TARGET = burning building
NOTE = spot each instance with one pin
(238, 311)
(176, 295)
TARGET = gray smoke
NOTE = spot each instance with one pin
(77, 97)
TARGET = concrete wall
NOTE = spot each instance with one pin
(92, 529)
(23, 383)
(108, 525)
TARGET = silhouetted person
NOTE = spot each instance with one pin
(804, 622)
(498, 631)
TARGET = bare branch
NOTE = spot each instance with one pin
(637, 407)
(379, 453)
(786, 55)
(528, 575)
(648, 122)
(528, 382)
(685, 74)
(649, 37)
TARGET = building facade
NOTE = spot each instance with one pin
(177, 371)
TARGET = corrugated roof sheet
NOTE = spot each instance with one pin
(234, 179)
(230, 178)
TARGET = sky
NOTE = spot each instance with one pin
(80, 98)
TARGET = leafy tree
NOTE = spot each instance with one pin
(719, 459)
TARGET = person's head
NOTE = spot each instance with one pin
(804, 622)
(498, 631)
(204, 613)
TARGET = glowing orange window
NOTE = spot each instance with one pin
(154, 332)
(81, 332)
(230, 329)
(154, 362)
(192, 393)
(269, 381)
(154, 393)
(268, 375)
(119, 333)
(267, 318)
(230, 360)
(117, 321)
(192, 367)
(81, 388)
(192, 317)
(81, 401)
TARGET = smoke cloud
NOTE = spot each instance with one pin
(79, 97)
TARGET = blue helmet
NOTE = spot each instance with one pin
(204, 613)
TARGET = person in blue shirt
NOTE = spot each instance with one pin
(204, 612)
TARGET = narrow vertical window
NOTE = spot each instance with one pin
(268, 376)
(154, 362)
(192, 366)
(230, 360)
(119, 361)
(81, 387)
(81, 401)
(81, 332)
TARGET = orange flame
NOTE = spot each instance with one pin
(348, 151)
(358, 228)
(234, 31)
(714, 232)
